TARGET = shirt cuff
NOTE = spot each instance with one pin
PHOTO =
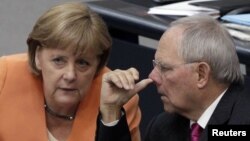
(113, 123)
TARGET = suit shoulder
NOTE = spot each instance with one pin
(168, 121)
(167, 127)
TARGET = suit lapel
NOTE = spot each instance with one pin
(223, 110)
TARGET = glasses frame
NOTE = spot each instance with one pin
(163, 68)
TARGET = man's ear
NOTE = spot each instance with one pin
(37, 58)
(203, 70)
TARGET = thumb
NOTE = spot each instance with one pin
(142, 84)
(138, 87)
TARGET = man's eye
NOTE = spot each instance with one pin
(165, 68)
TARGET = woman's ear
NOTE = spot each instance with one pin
(37, 59)
(203, 70)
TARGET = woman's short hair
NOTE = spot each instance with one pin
(72, 25)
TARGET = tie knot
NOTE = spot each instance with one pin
(195, 132)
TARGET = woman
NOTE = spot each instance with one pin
(52, 93)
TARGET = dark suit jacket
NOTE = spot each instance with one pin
(233, 109)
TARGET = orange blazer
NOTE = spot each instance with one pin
(22, 114)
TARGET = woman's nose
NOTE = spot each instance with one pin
(70, 73)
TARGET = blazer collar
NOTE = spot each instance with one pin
(224, 109)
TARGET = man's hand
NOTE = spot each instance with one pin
(118, 87)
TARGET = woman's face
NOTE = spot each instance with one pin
(66, 77)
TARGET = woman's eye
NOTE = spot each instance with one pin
(58, 61)
(82, 63)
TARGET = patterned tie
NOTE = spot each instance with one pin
(195, 132)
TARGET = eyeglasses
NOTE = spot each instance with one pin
(162, 68)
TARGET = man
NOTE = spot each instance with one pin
(197, 73)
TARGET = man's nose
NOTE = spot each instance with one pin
(155, 76)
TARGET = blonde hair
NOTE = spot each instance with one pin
(71, 25)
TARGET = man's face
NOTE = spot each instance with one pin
(175, 79)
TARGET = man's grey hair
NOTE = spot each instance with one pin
(205, 39)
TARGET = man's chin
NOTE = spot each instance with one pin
(168, 109)
(164, 99)
(166, 104)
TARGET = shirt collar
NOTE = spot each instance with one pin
(203, 120)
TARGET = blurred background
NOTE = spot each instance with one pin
(17, 18)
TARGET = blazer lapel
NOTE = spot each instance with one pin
(223, 110)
